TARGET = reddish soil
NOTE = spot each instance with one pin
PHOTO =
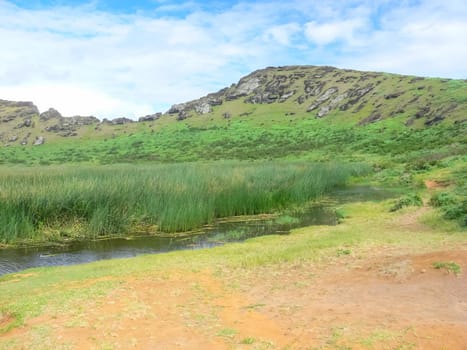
(5, 320)
(431, 184)
(387, 300)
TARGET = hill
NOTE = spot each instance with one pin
(294, 111)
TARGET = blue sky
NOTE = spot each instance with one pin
(131, 58)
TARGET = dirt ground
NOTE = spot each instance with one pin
(387, 300)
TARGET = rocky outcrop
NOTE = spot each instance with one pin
(150, 117)
(323, 92)
(51, 113)
(12, 110)
(66, 126)
(27, 123)
(121, 121)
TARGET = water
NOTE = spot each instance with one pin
(14, 260)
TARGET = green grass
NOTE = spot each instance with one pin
(56, 203)
(448, 266)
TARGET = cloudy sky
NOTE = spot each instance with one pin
(130, 58)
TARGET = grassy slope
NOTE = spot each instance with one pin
(276, 130)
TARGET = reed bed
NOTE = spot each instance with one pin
(56, 203)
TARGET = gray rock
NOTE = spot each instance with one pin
(312, 107)
(25, 124)
(182, 116)
(79, 120)
(286, 96)
(177, 108)
(13, 138)
(39, 141)
(10, 110)
(150, 117)
(203, 108)
(313, 88)
(393, 95)
(50, 114)
(435, 120)
(121, 121)
(215, 102)
(323, 111)
(25, 139)
(371, 119)
(301, 99)
(247, 86)
(327, 94)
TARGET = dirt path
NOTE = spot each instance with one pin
(385, 301)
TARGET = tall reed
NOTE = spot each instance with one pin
(88, 202)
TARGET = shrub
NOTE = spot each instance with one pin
(412, 199)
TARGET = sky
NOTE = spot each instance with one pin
(132, 58)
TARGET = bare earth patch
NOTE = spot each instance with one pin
(385, 301)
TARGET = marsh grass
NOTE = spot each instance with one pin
(52, 203)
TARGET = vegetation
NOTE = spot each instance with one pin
(448, 266)
(53, 203)
(406, 201)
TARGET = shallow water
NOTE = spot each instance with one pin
(17, 259)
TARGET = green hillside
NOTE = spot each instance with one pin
(286, 112)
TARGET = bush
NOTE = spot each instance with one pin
(452, 206)
(412, 199)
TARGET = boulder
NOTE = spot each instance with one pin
(39, 141)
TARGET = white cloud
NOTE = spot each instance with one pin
(84, 61)
(69, 99)
(330, 32)
(283, 34)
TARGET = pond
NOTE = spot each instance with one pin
(17, 259)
